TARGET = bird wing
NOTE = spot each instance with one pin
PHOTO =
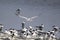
(23, 17)
(33, 17)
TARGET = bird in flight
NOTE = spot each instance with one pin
(28, 19)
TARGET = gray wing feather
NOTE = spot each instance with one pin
(33, 17)
(23, 17)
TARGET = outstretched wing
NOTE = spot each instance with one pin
(33, 17)
(23, 17)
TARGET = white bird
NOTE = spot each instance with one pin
(30, 27)
(8, 32)
(41, 37)
(24, 29)
(28, 19)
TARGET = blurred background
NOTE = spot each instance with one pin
(48, 12)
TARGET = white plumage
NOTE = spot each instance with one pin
(28, 19)
(8, 32)
(24, 29)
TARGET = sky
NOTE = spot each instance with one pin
(48, 12)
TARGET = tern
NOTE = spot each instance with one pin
(27, 19)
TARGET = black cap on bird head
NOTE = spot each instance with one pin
(18, 11)
(55, 28)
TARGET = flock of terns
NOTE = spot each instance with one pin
(28, 33)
